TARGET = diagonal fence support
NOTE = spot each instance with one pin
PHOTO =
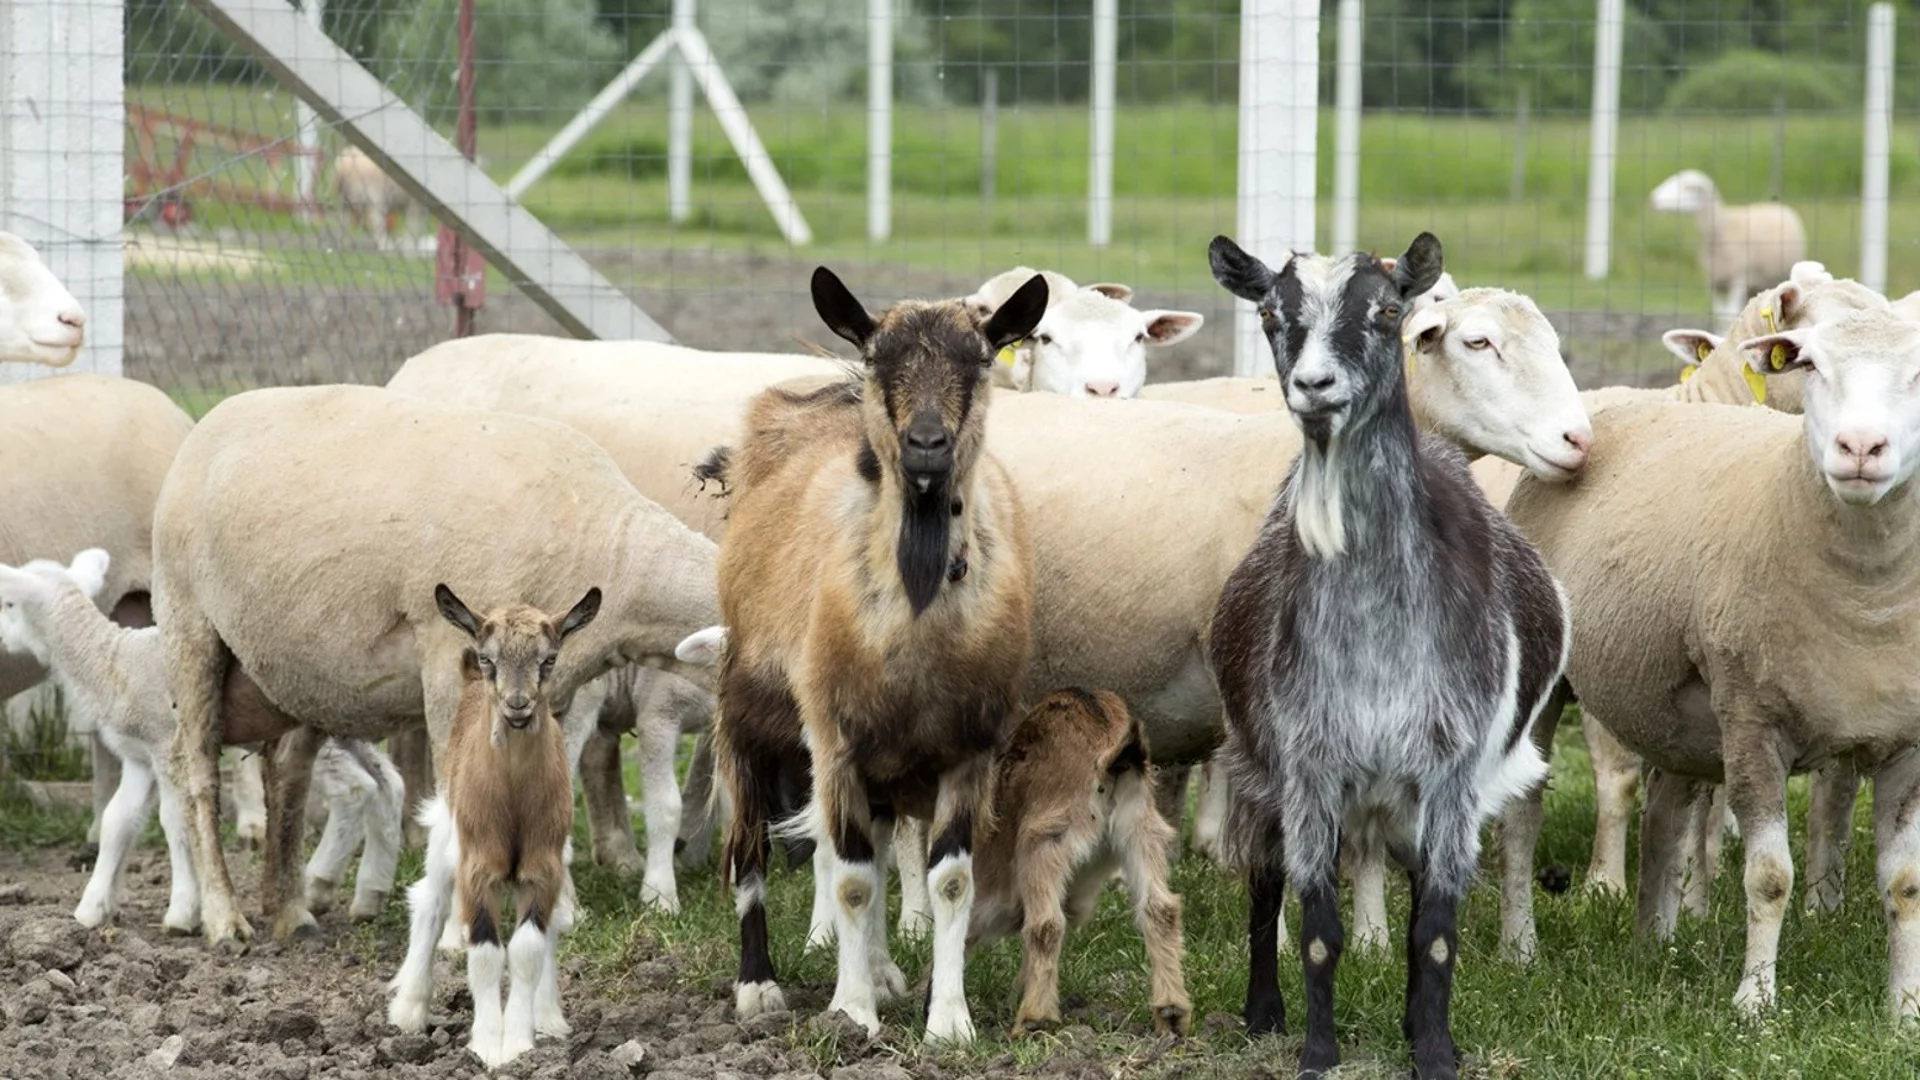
(347, 95)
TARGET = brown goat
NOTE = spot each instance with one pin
(504, 820)
(876, 584)
(1074, 799)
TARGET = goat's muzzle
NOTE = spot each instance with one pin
(518, 715)
(926, 452)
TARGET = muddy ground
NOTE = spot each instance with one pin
(202, 335)
(131, 1004)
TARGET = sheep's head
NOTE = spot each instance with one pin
(40, 321)
(926, 372)
(1484, 370)
(1862, 401)
(1091, 345)
(26, 593)
(1334, 326)
(1015, 369)
(1684, 192)
(514, 650)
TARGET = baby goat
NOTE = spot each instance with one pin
(503, 820)
(120, 676)
(1382, 651)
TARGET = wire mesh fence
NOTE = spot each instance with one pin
(253, 260)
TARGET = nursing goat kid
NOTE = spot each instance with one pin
(1382, 651)
(508, 810)
(876, 582)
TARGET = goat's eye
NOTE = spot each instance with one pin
(546, 667)
(486, 665)
(1391, 311)
(1476, 343)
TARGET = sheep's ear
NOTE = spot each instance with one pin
(1172, 327)
(1808, 272)
(455, 612)
(1771, 354)
(701, 646)
(1238, 272)
(837, 307)
(1420, 268)
(1422, 329)
(582, 613)
(1019, 315)
(1113, 290)
(18, 586)
(89, 571)
(1691, 346)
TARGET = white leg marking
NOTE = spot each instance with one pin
(485, 965)
(526, 955)
(428, 901)
(856, 892)
(951, 885)
(547, 1017)
(821, 924)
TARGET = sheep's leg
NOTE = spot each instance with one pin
(1519, 838)
(1616, 776)
(964, 790)
(659, 740)
(381, 853)
(288, 773)
(1367, 861)
(910, 858)
(705, 802)
(1170, 794)
(106, 781)
(1756, 789)
(1829, 831)
(1210, 816)
(249, 800)
(346, 826)
(1042, 864)
(183, 901)
(1896, 842)
(427, 901)
(1701, 848)
(610, 825)
(412, 755)
(1140, 835)
(1668, 829)
(196, 668)
(120, 825)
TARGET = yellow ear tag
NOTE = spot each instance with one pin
(1767, 314)
(1702, 351)
(1005, 355)
(1688, 372)
(1757, 383)
(1777, 359)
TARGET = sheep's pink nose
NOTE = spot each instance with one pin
(1861, 447)
(1104, 388)
(75, 318)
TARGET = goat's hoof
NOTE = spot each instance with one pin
(229, 934)
(666, 899)
(1035, 1025)
(369, 907)
(1172, 1019)
(624, 861)
(553, 1025)
(756, 999)
(1266, 1019)
(1439, 1063)
(92, 916)
(889, 982)
(408, 1014)
(296, 925)
(182, 926)
(1316, 1060)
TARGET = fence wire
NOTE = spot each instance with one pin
(245, 268)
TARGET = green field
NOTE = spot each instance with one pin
(1174, 188)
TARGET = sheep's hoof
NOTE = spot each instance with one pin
(368, 908)
(183, 926)
(320, 895)
(296, 924)
(229, 934)
(1172, 1019)
(954, 1029)
(92, 916)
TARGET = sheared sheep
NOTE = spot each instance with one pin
(1090, 343)
(40, 321)
(347, 504)
(1682, 657)
(1742, 248)
(369, 195)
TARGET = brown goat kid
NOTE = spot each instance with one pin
(876, 582)
(504, 820)
(1074, 799)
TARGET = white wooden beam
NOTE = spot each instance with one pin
(345, 94)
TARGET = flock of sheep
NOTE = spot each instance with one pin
(936, 609)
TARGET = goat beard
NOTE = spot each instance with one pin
(499, 731)
(926, 523)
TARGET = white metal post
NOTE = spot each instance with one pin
(1873, 184)
(1607, 40)
(584, 121)
(1106, 47)
(306, 164)
(63, 126)
(1279, 99)
(680, 120)
(1346, 131)
(879, 119)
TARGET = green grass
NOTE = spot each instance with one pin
(1600, 1002)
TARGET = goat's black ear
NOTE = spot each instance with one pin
(469, 664)
(454, 611)
(1241, 274)
(1017, 317)
(582, 613)
(1420, 268)
(843, 314)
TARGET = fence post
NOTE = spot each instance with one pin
(879, 119)
(989, 135)
(306, 164)
(1106, 35)
(1346, 131)
(1879, 120)
(1517, 182)
(1279, 111)
(1607, 42)
(680, 121)
(63, 126)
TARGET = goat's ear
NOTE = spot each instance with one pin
(1420, 268)
(89, 571)
(1241, 274)
(455, 612)
(1017, 317)
(469, 664)
(1691, 346)
(1113, 290)
(843, 314)
(582, 613)
(1171, 327)
(1771, 354)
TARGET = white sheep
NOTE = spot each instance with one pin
(118, 676)
(346, 505)
(367, 193)
(1090, 342)
(1684, 659)
(40, 321)
(1741, 247)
